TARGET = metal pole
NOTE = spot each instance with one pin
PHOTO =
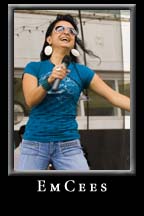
(82, 34)
(85, 62)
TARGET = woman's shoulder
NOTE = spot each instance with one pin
(33, 63)
(83, 67)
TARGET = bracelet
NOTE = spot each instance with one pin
(44, 83)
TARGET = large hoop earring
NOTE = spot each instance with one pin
(75, 52)
(48, 50)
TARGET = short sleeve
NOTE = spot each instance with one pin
(32, 68)
(86, 74)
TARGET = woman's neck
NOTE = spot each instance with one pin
(56, 58)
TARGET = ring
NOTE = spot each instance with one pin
(58, 68)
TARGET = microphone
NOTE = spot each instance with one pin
(66, 61)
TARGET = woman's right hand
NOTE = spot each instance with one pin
(58, 72)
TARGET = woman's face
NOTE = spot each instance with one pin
(63, 36)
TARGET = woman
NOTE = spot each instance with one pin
(51, 134)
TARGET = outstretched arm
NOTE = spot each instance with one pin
(114, 97)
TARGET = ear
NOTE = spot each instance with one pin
(49, 40)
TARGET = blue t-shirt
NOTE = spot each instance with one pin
(54, 119)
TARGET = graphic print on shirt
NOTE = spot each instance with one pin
(68, 88)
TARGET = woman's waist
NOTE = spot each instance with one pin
(52, 123)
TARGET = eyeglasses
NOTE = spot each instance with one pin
(60, 29)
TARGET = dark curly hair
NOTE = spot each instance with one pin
(78, 41)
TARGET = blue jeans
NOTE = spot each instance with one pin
(66, 155)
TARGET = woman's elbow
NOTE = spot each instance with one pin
(29, 103)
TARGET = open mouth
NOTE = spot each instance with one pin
(64, 39)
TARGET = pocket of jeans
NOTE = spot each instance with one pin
(29, 147)
(69, 148)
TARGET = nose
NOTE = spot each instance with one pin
(66, 30)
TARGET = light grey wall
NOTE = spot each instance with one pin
(103, 37)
